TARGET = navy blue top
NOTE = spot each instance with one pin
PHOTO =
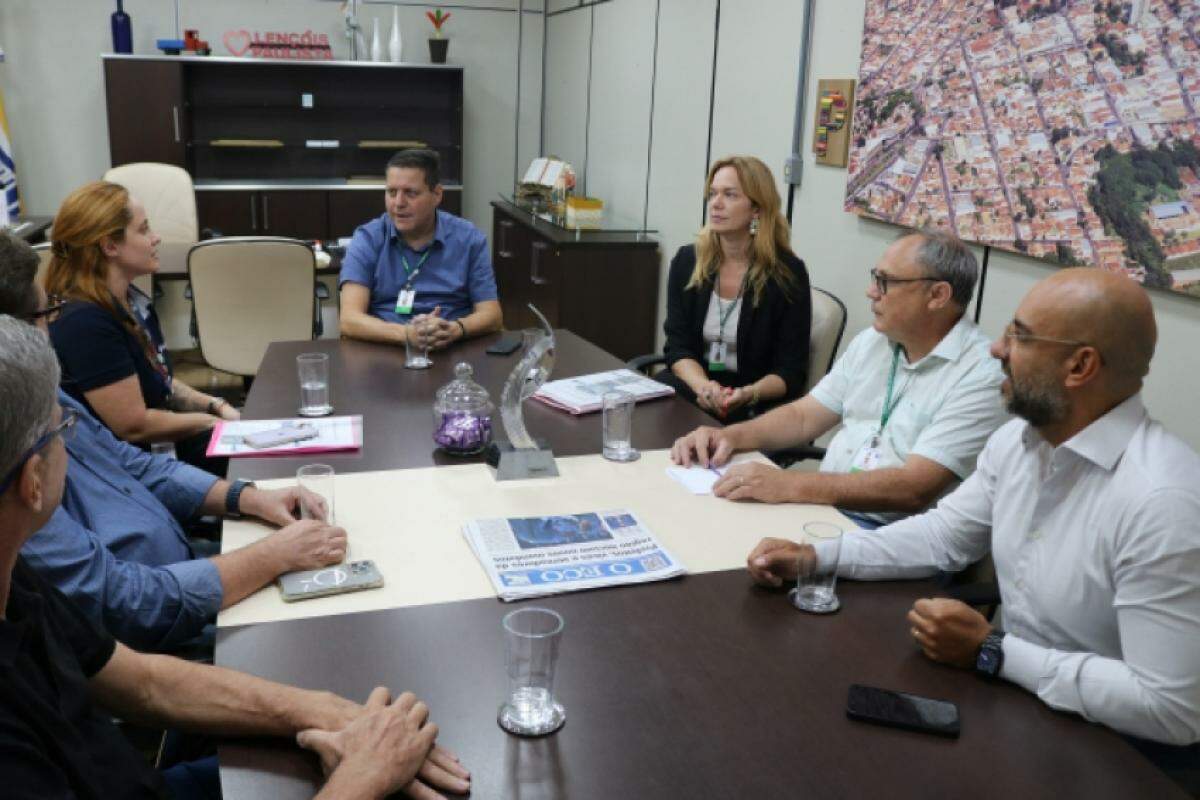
(96, 350)
(456, 275)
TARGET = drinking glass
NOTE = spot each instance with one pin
(816, 578)
(618, 426)
(531, 640)
(313, 369)
(530, 337)
(316, 492)
(416, 355)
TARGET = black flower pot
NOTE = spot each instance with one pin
(437, 50)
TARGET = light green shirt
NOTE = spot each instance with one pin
(946, 404)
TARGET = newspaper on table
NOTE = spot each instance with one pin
(582, 395)
(538, 556)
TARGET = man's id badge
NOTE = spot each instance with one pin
(869, 457)
(716, 356)
(405, 301)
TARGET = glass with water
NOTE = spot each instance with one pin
(313, 369)
(617, 408)
(416, 353)
(816, 578)
(531, 640)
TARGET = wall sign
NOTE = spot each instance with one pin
(276, 44)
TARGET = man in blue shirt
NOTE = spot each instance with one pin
(116, 545)
(416, 264)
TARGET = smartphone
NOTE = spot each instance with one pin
(900, 710)
(338, 579)
(284, 434)
(508, 343)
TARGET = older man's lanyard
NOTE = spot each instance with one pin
(719, 349)
(408, 296)
(888, 405)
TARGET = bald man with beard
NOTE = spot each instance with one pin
(1091, 511)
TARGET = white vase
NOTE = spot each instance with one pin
(395, 44)
(376, 42)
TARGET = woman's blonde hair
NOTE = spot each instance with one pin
(767, 246)
(78, 267)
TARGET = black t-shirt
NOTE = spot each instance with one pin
(53, 742)
(96, 350)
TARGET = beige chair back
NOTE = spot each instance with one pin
(43, 251)
(825, 335)
(248, 292)
(167, 194)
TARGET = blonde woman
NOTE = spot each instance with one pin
(738, 304)
(107, 335)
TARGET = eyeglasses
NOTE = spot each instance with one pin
(54, 307)
(882, 281)
(65, 429)
(1011, 334)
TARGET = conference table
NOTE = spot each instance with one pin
(702, 686)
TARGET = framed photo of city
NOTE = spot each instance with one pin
(1063, 129)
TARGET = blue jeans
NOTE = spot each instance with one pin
(194, 780)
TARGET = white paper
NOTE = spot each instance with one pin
(333, 434)
(539, 556)
(697, 479)
(584, 394)
(534, 173)
(553, 170)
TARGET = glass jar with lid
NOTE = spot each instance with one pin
(462, 414)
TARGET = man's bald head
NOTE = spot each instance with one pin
(1108, 311)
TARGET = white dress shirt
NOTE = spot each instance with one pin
(946, 405)
(1097, 551)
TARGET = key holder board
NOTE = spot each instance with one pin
(831, 128)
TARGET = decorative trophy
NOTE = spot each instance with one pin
(522, 457)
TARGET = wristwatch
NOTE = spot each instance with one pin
(233, 496)
(991, 655)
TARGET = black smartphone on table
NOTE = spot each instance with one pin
(902, 710)
(508, 343)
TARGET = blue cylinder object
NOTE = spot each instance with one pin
(122, 30)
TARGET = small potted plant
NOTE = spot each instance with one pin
(438, 45)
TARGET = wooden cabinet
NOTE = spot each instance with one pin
(601, 285)
(278, 148)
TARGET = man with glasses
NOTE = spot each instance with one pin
(58, 668)
(117, 545)
(1091, 511)
(916, 395)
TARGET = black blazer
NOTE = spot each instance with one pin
(772, 337)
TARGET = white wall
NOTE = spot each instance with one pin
(757, 63)
(53, 86)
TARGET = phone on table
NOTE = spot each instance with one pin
(338, 579)
(901, 710)
(284, 434)
(508, 343)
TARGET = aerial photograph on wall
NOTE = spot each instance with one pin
(1062, 129)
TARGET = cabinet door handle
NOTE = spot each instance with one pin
(502, 249)
(535, 264)
(266, 213)
(175, 119)
(253, 214)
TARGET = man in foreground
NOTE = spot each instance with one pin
(59, 669)
(116, 545)
(417, 271)
(1091, 511)
(916, 394)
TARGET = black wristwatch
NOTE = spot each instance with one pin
(233, 496)
(991, 655)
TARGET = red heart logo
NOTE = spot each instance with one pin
(237, 42)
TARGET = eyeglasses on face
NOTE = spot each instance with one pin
(1014, 334)
(65, 429)
(882, 281)
(54, 307)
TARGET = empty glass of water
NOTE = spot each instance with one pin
(816, 577)
(313, 369)
(531, 639)
(316, 492)
(618, 426)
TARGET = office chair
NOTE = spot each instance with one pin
(825, 336)
(167, 194)
(250, 291)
